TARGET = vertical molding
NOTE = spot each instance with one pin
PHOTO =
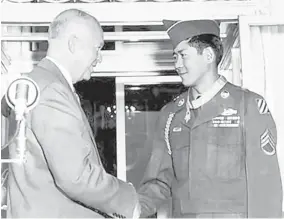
(120, 131)
(236, 66)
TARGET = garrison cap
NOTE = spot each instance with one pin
(182, 30)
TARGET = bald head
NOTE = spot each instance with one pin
(69, 21)
(75, 40)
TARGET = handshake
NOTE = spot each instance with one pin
(137, 211)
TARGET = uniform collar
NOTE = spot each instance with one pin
(66, 74)
(210, 107)
(208, 95)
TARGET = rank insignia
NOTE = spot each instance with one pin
(262, 106)
(267, 143)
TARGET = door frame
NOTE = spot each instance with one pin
(120, 83)
(245, 23)
(250, 77)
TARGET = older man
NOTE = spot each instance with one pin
(63, 175)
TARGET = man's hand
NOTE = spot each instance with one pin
(3, 195)
(137, 211)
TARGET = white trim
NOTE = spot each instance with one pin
(120, 131)
(148, 80)
(19, 161)
(124, 74)
(133, 36)
(108, 36)
(142, 12)
(106, 23)
(244, 32)
(142, 76)
(264, 20)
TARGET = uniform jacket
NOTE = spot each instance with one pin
(222, 159)
(63, 175)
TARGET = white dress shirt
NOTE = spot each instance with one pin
(65, 74)
(64, 71)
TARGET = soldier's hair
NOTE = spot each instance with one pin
(61, 21)
(203, 41)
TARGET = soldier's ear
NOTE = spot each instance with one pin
(209, 55)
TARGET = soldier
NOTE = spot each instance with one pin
(214, 153)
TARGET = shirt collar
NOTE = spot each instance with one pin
(208, 95)
(64, 72)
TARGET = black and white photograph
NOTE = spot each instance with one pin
(142, 109)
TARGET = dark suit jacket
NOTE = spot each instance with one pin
(63, 175)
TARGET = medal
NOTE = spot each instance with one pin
(187, 116)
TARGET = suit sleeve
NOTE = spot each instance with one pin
(156, 184)
(263, 174)
(70, 157)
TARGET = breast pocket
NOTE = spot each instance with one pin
(180, 154)
(225, 153)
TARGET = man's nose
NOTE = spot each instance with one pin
(178, 63)
(99, 58)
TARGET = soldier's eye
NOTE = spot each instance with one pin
(183, 55)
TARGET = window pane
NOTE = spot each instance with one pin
(142, 106)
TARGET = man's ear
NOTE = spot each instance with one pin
(209, 55)
(72, 43)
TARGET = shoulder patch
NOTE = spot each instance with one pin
(262, 106)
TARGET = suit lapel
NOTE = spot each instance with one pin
(53, 69)
(86, 121)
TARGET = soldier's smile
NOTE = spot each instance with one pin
(183, 74)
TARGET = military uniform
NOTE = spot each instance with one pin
(215, 156)
(220, 160)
